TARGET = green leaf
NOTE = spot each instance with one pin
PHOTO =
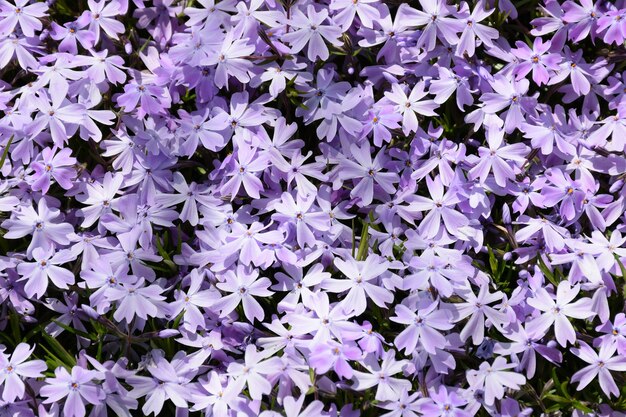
(546, 271)
(57, 348)
(5, 153)
(493, 262)
(582, 407)
(363, 244)
(75, 331)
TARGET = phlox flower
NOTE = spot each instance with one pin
(600, 366)
(556, 312)
(494, 378)
(381, 376)
(243, 285)
(168, 380)
(47, 233)
(422, 327)
(77, 388)
(15, 367)
(367, 172)
(27, 16)
(54, 165)
(309, 29)
(359, 285)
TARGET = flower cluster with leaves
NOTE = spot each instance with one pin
(297, 208)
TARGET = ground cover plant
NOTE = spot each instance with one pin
(312, 208)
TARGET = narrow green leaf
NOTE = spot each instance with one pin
(546, 271)
(363, 245)
(5, 153)
(75, 331)
(493, 262)
(61, 353)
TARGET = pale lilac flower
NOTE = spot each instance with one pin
(134, 299)
(601, 365)
(253, 372)
(244, 171)
(496, 159)
(359, 284)
(47, 233)
(348, 9)
(54, 165)
(494, 377)
(27, 16)
(15, 367)
(78, 387)
(335, 356)
(422, 328)
(381, 376)
(478, 308)
(243, 286)
(168, 380)
(412, 105)
(368, 172)
(443, 403)
(556, 312)
(473, 29)
(310, 29)
(537, 60)
(102, 17)
(44, 268)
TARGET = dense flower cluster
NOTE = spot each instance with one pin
(298, 208)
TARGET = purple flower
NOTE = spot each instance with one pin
(511, 95)
(368, 172)
(46, 233)
(359, 284)
(473, 29)
(536, 60)
(55, 166)
(412, 105)
(244, 171)
(78, 387)
(102, 17)
(310, 29)
(335, 356)
(600, 365)
(496, 159)
(134, 299)
(15, 367)
(422, 327)
(381, 375)
(252, 372)
(168, 381)
(477, 308)
(556, 312)
(493, 378)
(243, 286)
(443, 403)
(23, 14)
(45, 267)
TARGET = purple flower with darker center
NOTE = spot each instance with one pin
(537, 60)
(41, 224)
(556, 312)
(367, 172)
(243, 286)
(600, 366)
(27, 16)
(494, 377)
(77, 388)
(15, 367)
(58, 166)
(311, 30)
